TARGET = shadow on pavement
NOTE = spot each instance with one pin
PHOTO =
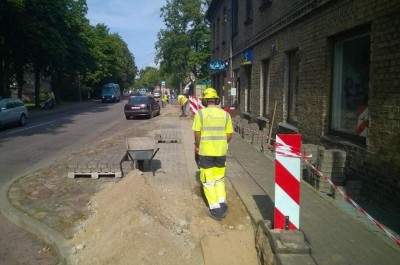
(52, 122)
(265, 205)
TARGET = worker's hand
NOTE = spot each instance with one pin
(196, 149)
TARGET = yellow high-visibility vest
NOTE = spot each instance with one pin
(182, 100)
(214, 124)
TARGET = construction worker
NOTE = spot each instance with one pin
(213, 130)
(183, 101)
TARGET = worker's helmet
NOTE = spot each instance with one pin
(210, 93)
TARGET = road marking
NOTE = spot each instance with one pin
(28, 128)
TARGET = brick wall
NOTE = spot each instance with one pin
(377, 163)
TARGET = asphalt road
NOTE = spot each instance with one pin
(49, 137)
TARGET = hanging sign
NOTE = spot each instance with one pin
(216, 65)
(247, 56)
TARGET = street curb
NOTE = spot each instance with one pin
(33, 226)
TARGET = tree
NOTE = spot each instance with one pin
(149, 77)
(114, 62)
(54, 38)
(183, 47)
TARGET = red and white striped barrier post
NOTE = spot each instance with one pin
(287, 181)
(195, 104)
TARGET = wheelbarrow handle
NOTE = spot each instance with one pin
(155, 153)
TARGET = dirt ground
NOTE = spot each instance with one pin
(143, 218)
(135, 222)
(163, 218)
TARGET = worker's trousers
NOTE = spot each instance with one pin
(212, 176)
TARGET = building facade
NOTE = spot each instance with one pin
(332, 68)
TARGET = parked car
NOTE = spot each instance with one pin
(157, 94)
(141, 106)
(110, 93)
(12, 111)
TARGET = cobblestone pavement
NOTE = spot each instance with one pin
(335, 237)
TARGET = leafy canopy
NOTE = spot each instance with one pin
(183, 47)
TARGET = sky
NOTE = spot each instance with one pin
(137, 21)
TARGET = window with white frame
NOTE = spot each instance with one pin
(349, 111)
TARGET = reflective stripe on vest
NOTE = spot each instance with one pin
(213, 138)
(214, 128)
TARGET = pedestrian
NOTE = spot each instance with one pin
(213, 131)
(183, 102)
(164, 100)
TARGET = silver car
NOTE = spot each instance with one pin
(12, 111)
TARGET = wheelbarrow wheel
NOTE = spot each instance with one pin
(140, 165)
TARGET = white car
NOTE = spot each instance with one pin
(12, 111)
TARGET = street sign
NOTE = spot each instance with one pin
(233, 91)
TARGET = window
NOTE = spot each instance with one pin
(139, 100)
(248, 92)
(349, 112)
(213, 35)
(264, 4)
(265, 85)
(235, 15)
(293, 85)
(19, 103)
(249, 11)
(238, 91)
(10, 105)
(218, 36)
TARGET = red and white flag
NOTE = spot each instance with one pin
(195, 104)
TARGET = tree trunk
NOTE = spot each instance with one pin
(6, 79)
(55, 86)
(79, 88)
(37, 87)
(20, 80)
(1, 78)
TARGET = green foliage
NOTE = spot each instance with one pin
(54, 38)
(183, 47)
(114, 61)
(149, 77)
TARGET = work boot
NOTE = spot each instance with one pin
(217, 214)
(224, 208)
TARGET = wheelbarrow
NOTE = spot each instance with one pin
(140, 150)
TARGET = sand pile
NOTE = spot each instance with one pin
(133, 224)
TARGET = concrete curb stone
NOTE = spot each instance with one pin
(33, 226)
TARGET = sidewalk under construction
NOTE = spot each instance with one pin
(335, 237)
(163, 218)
